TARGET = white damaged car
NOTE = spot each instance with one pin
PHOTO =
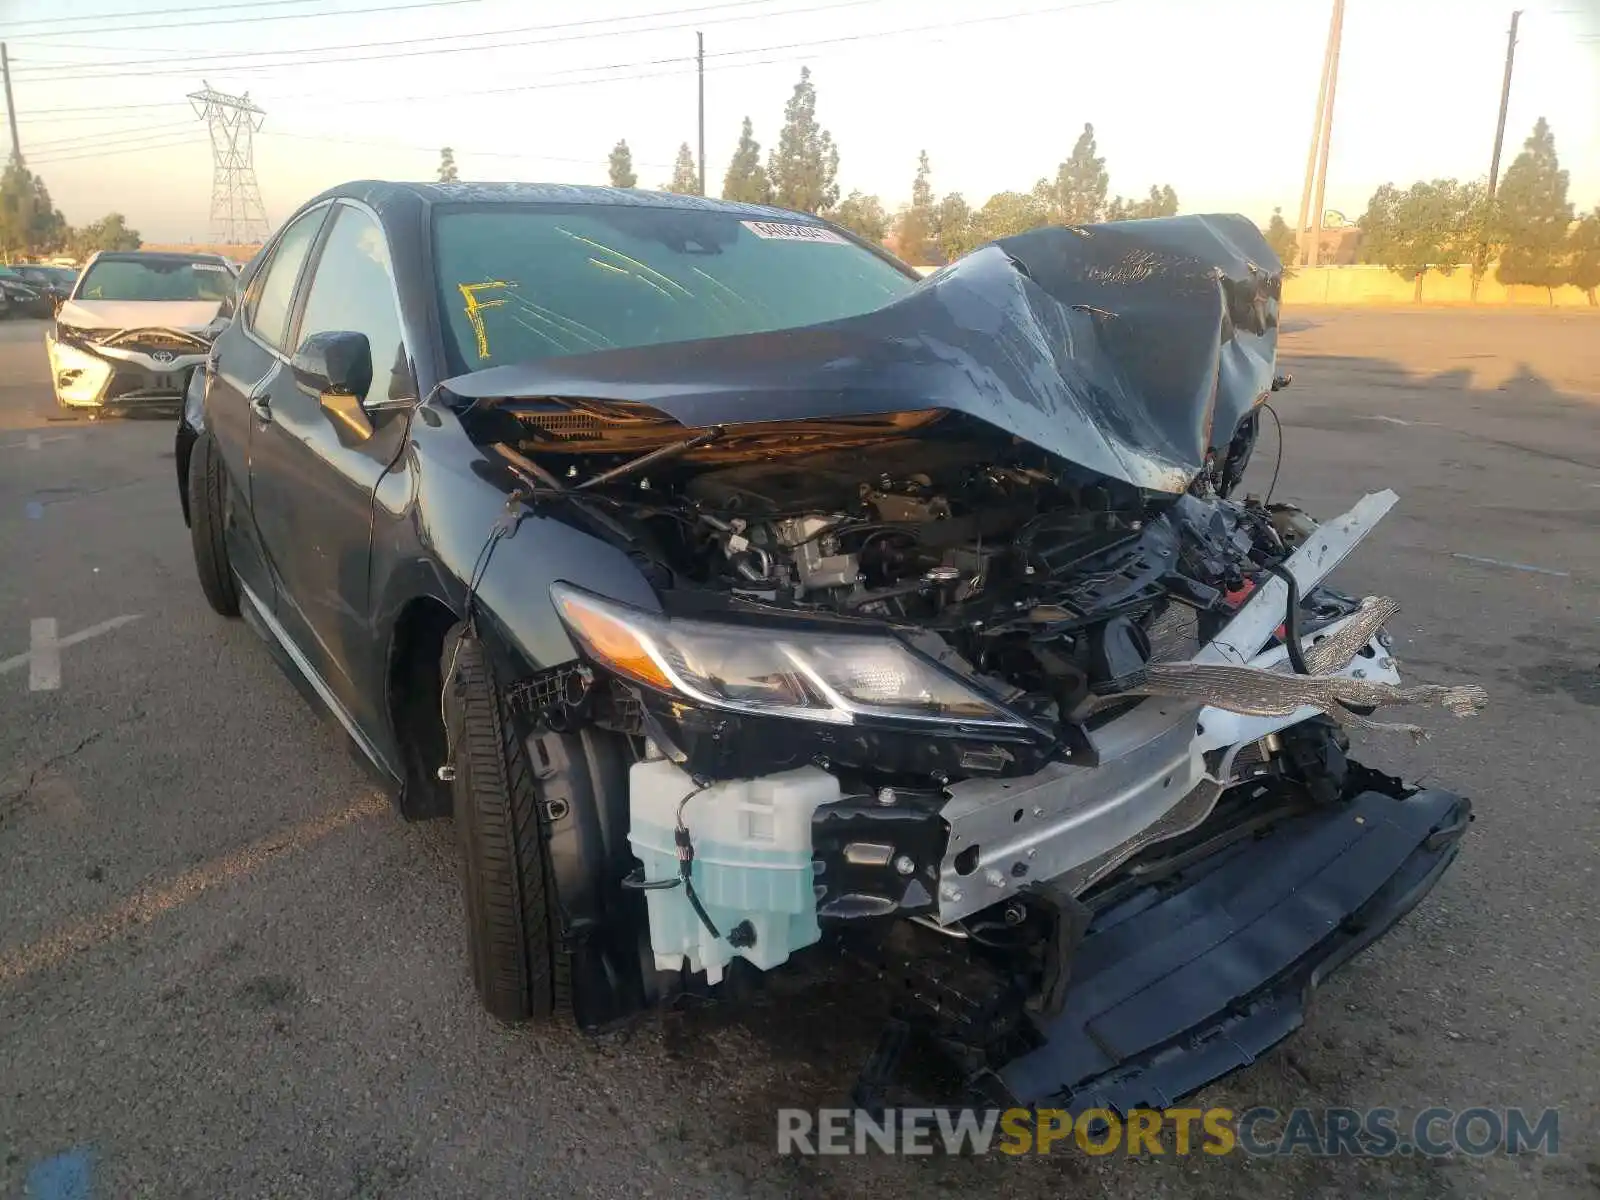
(135, 326)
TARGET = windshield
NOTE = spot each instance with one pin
(156, 279)
(518, 283)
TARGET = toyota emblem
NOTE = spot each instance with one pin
(163, 356)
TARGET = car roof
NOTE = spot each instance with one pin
(387, 197)
(173, 256)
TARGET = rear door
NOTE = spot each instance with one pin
(312, 479)
(241, 366)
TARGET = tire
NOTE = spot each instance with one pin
(513, 945)
(206, 523)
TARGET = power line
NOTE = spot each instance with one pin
(339, 54)
(138, 149)
(98, 112)
(107, 137)
(345, 12)
(202, 58)
(842, 39)
(317, 137)
(159, 12)
(102, 112)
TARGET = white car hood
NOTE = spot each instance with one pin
(139, 314)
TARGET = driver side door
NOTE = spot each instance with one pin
(313, 475)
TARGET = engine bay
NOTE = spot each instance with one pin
(1050, 585)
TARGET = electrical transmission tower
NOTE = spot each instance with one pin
(237, 216)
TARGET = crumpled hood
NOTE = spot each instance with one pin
(139, 314)
(1133, 348)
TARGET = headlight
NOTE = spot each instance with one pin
(78, 376)
(813, 677)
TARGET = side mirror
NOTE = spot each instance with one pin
(336, 367)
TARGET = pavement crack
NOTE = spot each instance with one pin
(13, 802)
(17, 798)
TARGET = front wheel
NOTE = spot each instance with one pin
(517, 966)
(207, 521)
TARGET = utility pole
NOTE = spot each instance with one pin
(700, 58)
(1311, 199)
(1499, 129)
(1311, 155)
(11, 107)
(1480, 262)
(1327, 133)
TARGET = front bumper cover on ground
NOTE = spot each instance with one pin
(1176, 986)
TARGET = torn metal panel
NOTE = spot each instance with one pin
(1131, 349)
(1249, 630)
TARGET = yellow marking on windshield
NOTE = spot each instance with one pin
(643, 268)
(474, 308)
(609, 267)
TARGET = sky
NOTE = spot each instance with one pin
(1214, 97)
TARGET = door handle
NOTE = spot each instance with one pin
(262, 407)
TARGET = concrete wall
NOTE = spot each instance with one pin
(1367, 284)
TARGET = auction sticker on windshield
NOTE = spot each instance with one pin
(782, 231)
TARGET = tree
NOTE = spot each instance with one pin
(1162, 202)
(1583, 257)
(1430, 226)
(862, 215)
(685, 179)
(1008, 213)
(620, 166)
(447, 166)
(804, 166)
(1532, 215)
(953, 228)
(745, 181)
(110, 232)
(1282, 239)
(917, 227)
(29, 222)
(1077, 195)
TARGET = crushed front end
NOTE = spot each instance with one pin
(1106, 890)
(969, 664)
(144, 367)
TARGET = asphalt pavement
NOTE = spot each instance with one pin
(227, 970)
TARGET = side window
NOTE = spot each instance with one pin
(267, 308)
(353, 289)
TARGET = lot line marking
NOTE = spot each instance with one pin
(1514, 566)
(44, 656)
(154, 899)
(1396, 420)
(72, 639)
(34, 440)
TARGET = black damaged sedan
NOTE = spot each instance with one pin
(751, 603)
